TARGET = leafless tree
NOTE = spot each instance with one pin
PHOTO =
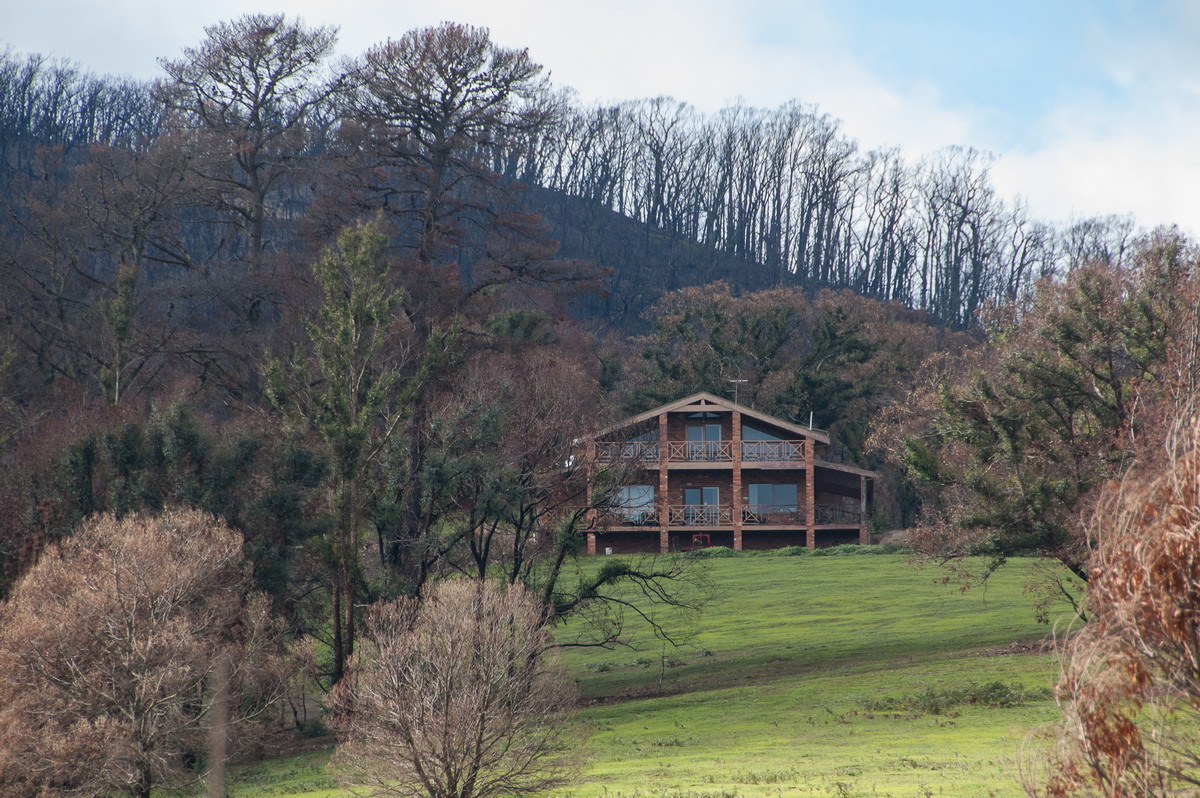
(107, 653)
(458, 697)
(249, 91)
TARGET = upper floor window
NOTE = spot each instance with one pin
(751, 432)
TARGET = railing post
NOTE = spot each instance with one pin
(810, 494)
(864, 536)
(664, 516)
(737, 480)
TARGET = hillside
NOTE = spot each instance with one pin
(797, 682)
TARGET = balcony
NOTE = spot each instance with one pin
(647, 452)
(700, 451)
(837, 515)
(772, 514)
(700, 515)
(613, 452)
(618, 516)
(772, 451)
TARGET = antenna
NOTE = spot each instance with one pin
(736, 383)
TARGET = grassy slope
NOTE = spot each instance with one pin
(769, 699)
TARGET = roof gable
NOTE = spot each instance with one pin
(700, 402)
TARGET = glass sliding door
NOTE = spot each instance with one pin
(702, 505)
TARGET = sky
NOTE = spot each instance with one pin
(1090, 107)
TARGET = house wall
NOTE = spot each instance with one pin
(681, 479)
(837, 537)
(762, 539)
(683, 540)
(628, 542)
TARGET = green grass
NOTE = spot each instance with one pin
(811, 676)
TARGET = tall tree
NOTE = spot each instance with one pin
(249, 92)
(1055, 407)
(345, 391)
(434, 105)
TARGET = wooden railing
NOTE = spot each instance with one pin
(837, 515)
(772, 451)
(619, 516)
(700, 514)
(700, 451)
(627, 451)
(647, 452)
(722, 515)
(771, 514)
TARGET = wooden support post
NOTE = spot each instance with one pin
(810, 492)
(663, 501)
(737, 480)
(864, 535)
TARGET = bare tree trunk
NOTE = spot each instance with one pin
(218, 736)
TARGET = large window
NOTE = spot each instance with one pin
(634, 503)
(704, 436)
(767, 498)
(753, 433)
(759, 445)
(702, 505)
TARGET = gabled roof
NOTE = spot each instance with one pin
(701, 402)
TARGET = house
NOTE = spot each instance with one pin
(706, 471)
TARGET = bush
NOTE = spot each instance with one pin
(715, 552)
(855, 550)
(790, 551)
(936, 700)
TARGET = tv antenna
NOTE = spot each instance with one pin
(736, 383)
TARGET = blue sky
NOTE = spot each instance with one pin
(1091, 107)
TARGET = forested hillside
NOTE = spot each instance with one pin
(164, 240)
(362, 311)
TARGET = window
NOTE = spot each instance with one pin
(702, 505)
(704, 441)
(752, 433)
(758, 446)
(766, 498)
(634, 503)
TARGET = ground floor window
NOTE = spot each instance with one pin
(635, 503)
(770, 498)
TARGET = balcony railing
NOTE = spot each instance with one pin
(701, 515)
(772, 451)
(627, 451)
(837, 515)
(620, 516)
(772, 514)
(700, 451)
(647, 452)
(722, 515)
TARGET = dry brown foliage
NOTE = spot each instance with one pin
(459, 696)
(1130, 687)
(107, 649)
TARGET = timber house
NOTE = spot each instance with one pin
(709, 472)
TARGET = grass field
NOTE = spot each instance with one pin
(805, 676)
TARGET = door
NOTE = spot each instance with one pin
(702, 505)
(704, 441)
